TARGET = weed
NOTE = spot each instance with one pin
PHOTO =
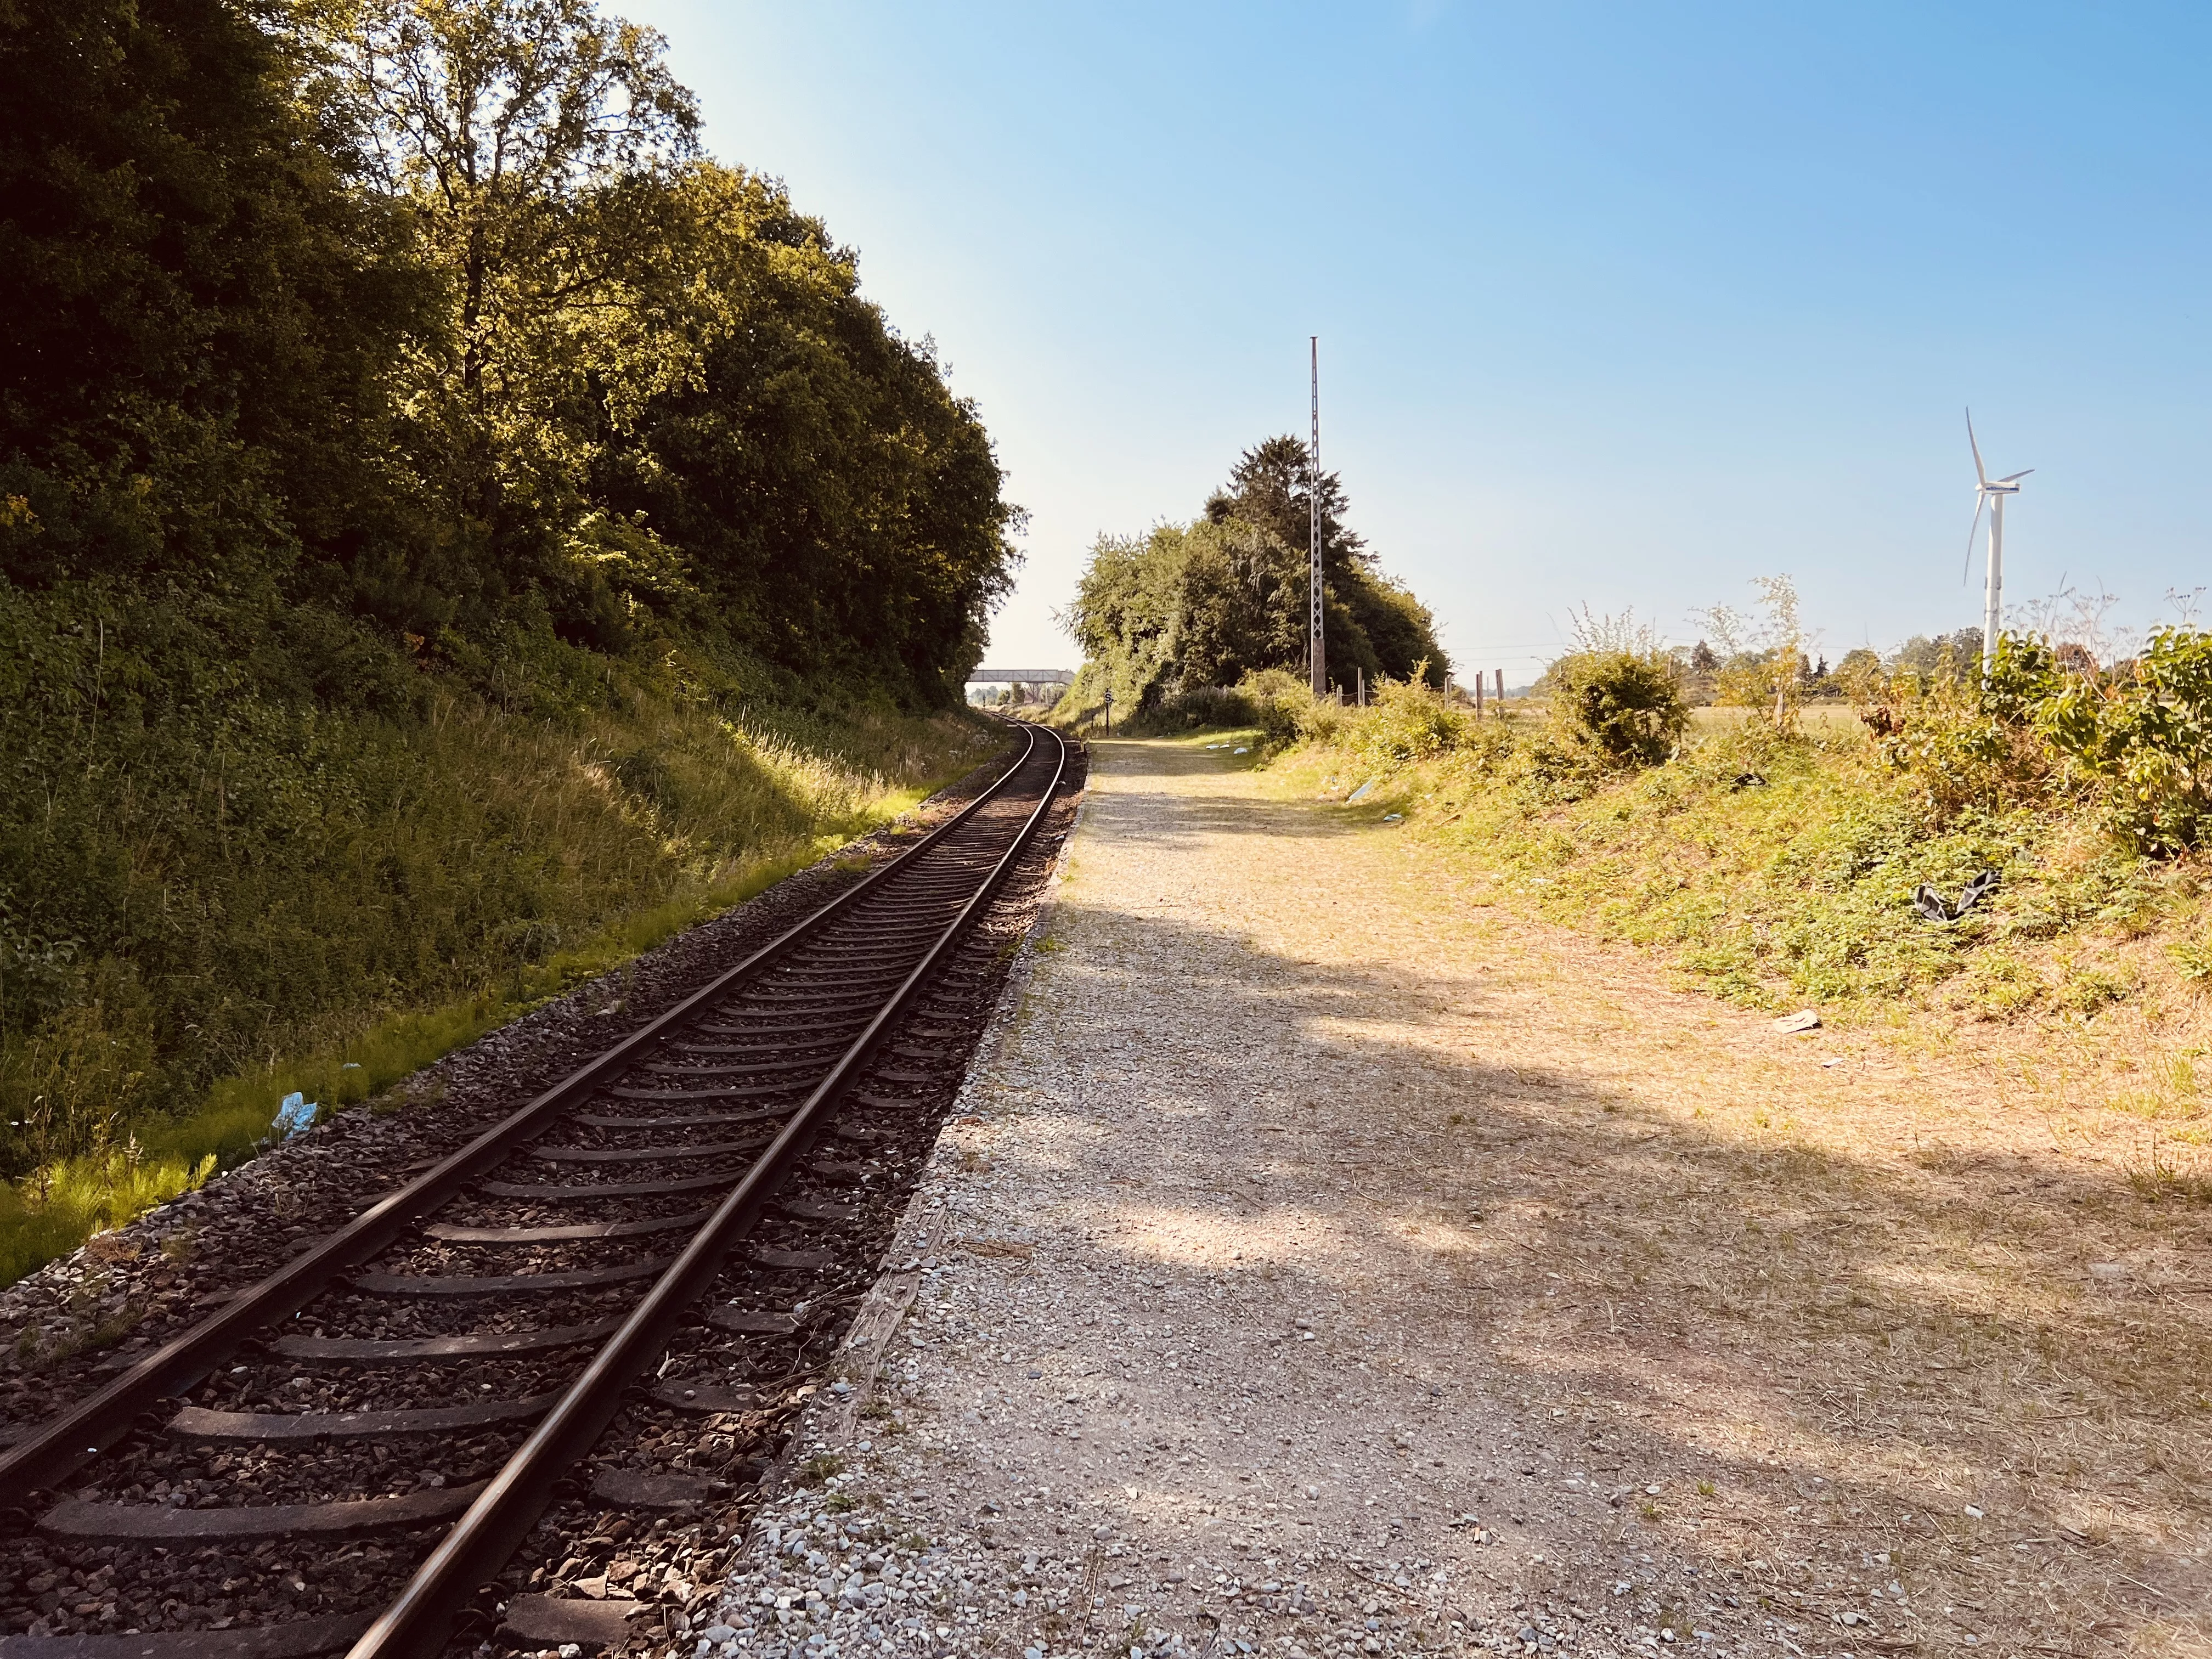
(820, 1467)
(2193, 957)
(838, 1502)
(2089, 991)
(2157, 1179)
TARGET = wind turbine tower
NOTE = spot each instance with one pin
(1990, 493)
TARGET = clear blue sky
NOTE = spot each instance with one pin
(1619, 304)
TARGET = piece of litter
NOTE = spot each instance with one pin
(1932, 904)
(1391, 818)
(1973, 1513)
(1832, 1062)
(1359, 792)
(296, 1114)
(1243, 752)
(1803, 1020)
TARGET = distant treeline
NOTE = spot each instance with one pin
(432, 315)
(1161, 618)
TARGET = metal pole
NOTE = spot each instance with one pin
(1316, 656)
(1993, 596)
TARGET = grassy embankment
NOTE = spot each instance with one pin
(1777, 874)
(234, 894)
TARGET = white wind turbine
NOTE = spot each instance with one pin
(1992, 493)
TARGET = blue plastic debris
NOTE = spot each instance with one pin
(296, 1114)
(1359, 791)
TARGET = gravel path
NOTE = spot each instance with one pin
(1175, 1378)
(1322, 1268)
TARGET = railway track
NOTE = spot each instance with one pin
(663, 1237)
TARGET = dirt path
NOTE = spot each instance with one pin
(1334, 1267)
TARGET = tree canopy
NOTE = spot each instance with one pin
(1209, 602)
(430, 313)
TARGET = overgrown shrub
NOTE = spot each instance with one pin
(1408, 722)
(1190, 709)
(1616, 710)
(1961, 741)
(1286, 711)
(2144, 733)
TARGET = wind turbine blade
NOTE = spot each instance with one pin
(1966, 570)
(1977, 448)
(2023, 473)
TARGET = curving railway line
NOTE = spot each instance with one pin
(487, 1359)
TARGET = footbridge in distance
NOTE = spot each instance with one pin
(1028, 684)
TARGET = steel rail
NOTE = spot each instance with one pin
(419, 1620)
(66, 1443)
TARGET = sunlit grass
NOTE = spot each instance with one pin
(1778, 874)
(624, 834)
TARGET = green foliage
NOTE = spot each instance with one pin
(1207, 604)
(427, 310)
(1764, 665)
(2034, 729)
(839, 507)
(1616, 709)
(1793, 890)
(1963, 742)
(1776, 868)
(198, 311)
(232, 840)
(1371, 624)
(2144, 732)
(1181, 608)
(1408, 721)
(446, 525)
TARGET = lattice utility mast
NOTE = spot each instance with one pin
(1317, 659)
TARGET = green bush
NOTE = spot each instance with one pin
(1190, 709)
(1408, 721)
(1617, 710)
(2030, 732)
(1286, 711)
(2144, 733)
(1965, 742)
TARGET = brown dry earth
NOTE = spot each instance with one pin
(1331, 1264)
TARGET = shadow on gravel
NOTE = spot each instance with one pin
(1969, 1378)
